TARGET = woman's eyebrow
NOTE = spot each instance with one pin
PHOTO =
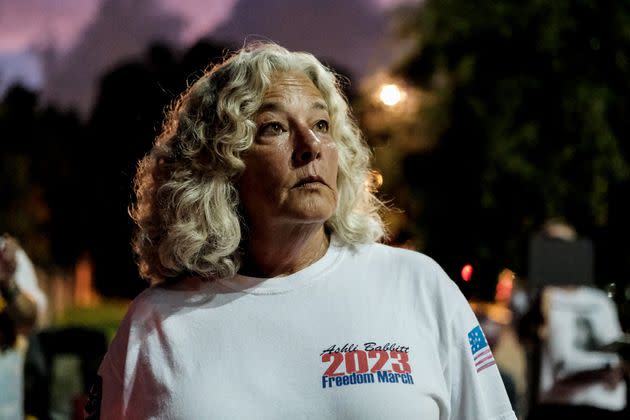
(276, 106)
(269, 106)
(320, 105)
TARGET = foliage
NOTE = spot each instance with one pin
(66, 183)
(105, 317)
(40, 176)
(536, 95)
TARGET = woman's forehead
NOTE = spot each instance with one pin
(291, 82)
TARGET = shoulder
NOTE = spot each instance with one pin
(144, 317)
(589, 292)
(598, 300)
(25, 270)
(26, 279)
(582, 299)
(150, 305)
(419, 274)
(158, 302)
(143, 313)
(405, 258)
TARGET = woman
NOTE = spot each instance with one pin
(270, 297)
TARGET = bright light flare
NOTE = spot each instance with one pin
(390, 94)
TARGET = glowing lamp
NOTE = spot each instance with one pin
(390, 95)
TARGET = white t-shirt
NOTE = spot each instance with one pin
(577, 321)
(370, 333)
(12, 360)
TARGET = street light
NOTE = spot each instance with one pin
(391, 94)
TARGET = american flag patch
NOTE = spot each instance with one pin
(480, 349)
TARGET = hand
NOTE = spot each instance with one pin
(8, 263)
(613, 376)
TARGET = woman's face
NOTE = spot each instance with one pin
(291, 168)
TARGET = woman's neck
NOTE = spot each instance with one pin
(280, 252)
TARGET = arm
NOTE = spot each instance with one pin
(477, 390)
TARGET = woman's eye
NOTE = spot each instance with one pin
(271, 129)
(322, 126)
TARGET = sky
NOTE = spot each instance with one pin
(61, 47)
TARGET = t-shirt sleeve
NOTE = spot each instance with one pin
(126, 372)
(111, 372)
(112, 391)
(476, 388)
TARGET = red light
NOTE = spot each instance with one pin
(467, 272)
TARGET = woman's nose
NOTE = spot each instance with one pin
(307, 146)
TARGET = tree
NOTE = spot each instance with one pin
(126, 118)
(530, 123)
(40, 183)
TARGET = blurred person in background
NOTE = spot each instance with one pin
(575, 377)
(270, 296)
(493, 330)
(21, 301)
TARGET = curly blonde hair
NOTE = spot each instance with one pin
(187, 205)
